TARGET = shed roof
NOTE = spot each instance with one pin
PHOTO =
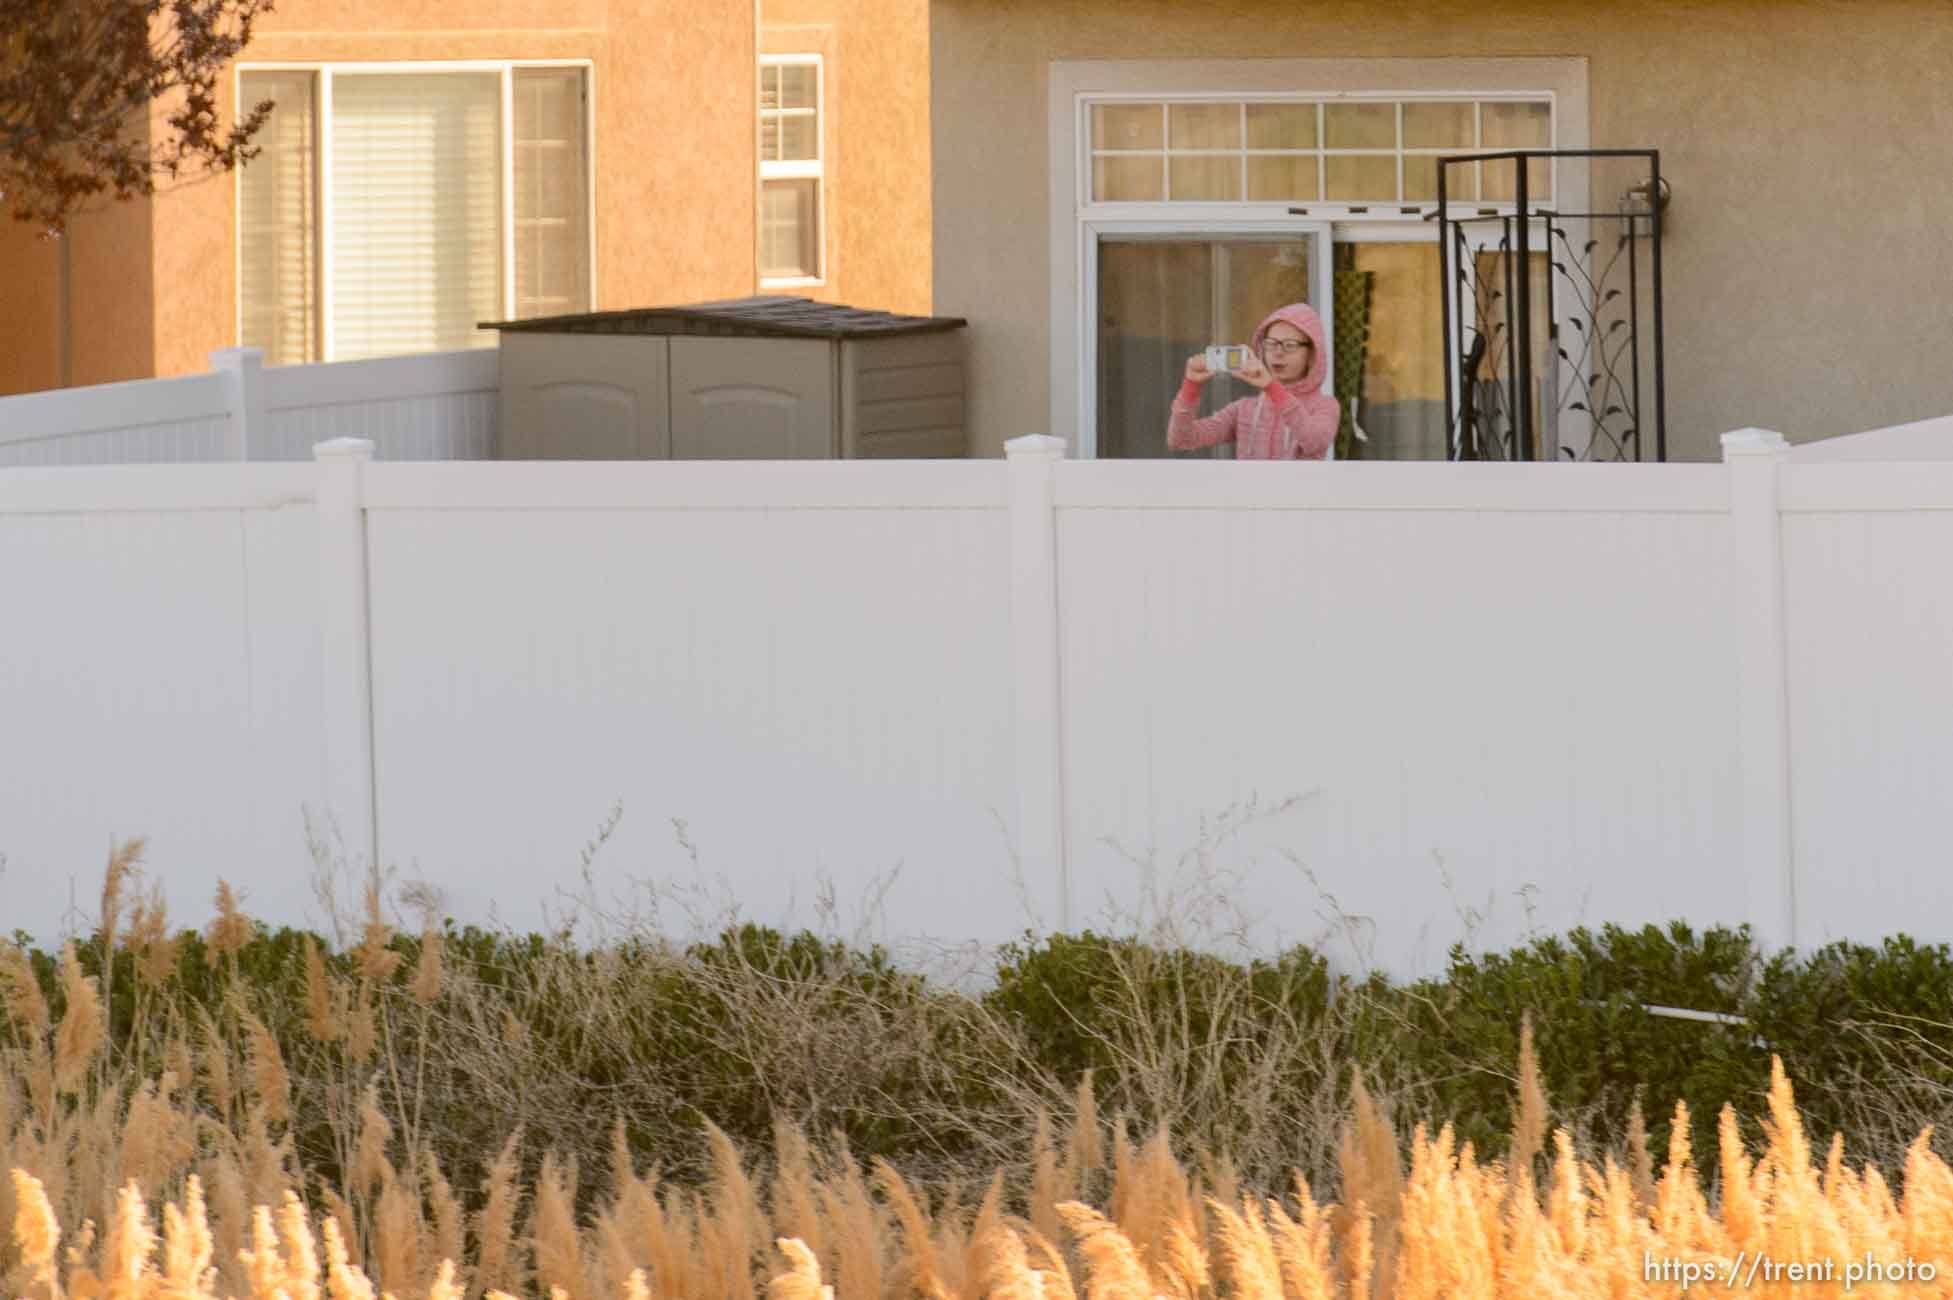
(769, 316)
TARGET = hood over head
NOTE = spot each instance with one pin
(1304, 318)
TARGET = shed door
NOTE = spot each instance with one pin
(752, 399)
(583, 397)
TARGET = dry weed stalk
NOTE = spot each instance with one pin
(201, 1110)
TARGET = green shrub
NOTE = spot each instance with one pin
(1252, 1059)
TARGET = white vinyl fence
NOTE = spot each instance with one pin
(1376, 707)
(438, 406)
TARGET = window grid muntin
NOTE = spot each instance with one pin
(1321, 153)
(788, 172)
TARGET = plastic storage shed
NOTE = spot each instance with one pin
(751, 379)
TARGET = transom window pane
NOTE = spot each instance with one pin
(1518, 126)
(1281, 126)
(1127, 126)
(1279, 176)
(1360, 126)
(1438, 126)
(1204, 126)
(1128, 179)
(1205, 179)
(1421, 179)
(1355, 178)
(1338, 151)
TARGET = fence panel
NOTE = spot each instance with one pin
(148, 421)
(1472, 717)
(1869, 630)
(439, 406)
(1505, 699)
(159, 677)
(764, 666)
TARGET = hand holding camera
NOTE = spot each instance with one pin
(1227, 358)
(1231, 359)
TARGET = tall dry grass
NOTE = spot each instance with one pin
(102, 1118)
(1457, 1229)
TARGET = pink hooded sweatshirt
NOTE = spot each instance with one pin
(1296, 421)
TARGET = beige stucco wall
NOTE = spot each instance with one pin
(674, 84)
(673, 151)
(875, 59)
(154, 288)
(1806, 257)
(28, 300)
(110, 299)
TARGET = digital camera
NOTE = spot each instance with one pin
(1224, 357)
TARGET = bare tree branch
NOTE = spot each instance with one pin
(78, 79)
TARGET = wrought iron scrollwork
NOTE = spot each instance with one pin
(1586, 335)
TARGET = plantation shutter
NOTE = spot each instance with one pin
(416, 212)
(277, 219)
(552, 221)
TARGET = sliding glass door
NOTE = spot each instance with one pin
(1159, 296)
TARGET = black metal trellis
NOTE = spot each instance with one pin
(1496, 406)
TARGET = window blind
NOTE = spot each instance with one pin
(278, 208)
(416, 212)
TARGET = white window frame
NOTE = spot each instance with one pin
(800, 169)
(1076, 222)
(505, 68)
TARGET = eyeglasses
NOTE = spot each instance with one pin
(1285, 347)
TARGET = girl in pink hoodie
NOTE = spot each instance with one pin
(1292, 419)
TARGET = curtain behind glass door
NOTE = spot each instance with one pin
(1163, 299)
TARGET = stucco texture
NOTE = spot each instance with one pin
(1806, 258)
(875, 57)
(111, 299)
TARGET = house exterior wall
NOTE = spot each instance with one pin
(1804, 256)
(29, 304)
(875, 59)
(674, 85)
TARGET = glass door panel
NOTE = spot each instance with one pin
(1390, 297)
(1163, 298)
(1400, 393)
(1494, 294)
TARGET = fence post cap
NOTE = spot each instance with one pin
(1753, 442)
(343, 449)
(1035, 446)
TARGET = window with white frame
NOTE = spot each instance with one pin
(1204, 192)
(792, 172)
(394, 207)
(1342, 151)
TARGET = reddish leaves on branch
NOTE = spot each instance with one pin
(77, 79)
